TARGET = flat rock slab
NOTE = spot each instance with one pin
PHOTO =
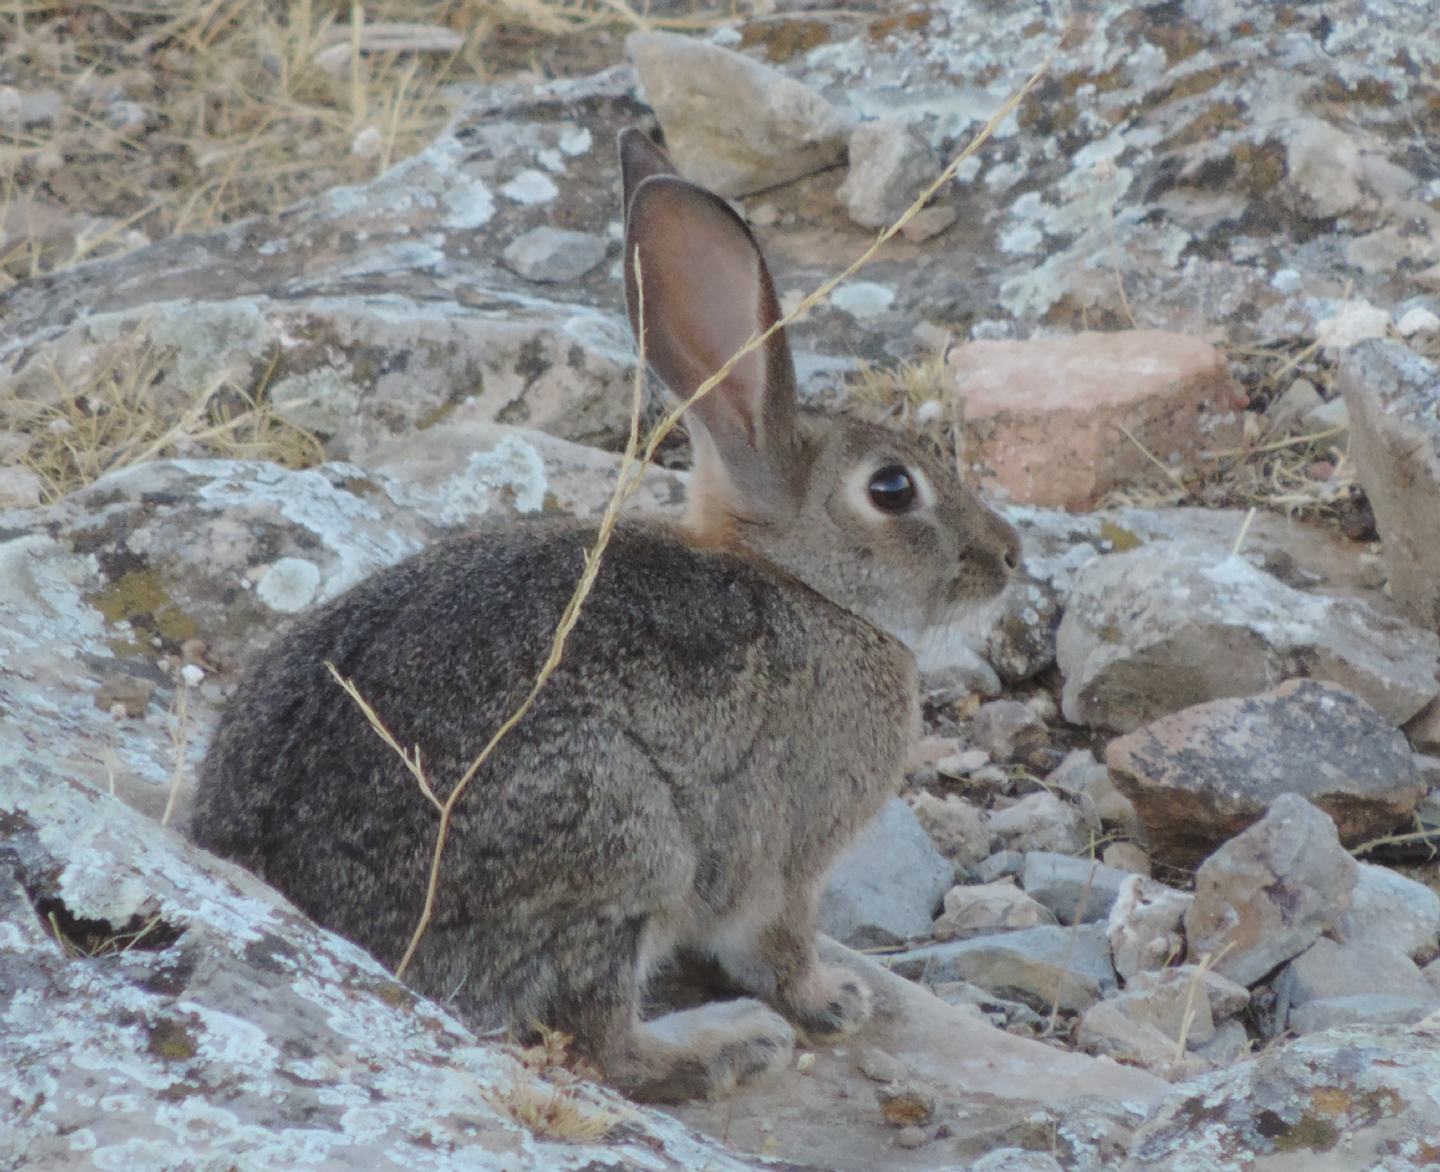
(1357, 1097)
(990, 1088)
(1393, 396)
(1161, 627)
(1042, 966)
(1269, 893)
(1042, 418)
(1202, 775)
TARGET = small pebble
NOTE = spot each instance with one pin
(912, 1137)
(878, 1066)
(805, 1063)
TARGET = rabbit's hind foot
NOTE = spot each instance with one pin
(704, 1053)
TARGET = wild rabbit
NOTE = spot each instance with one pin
(730, 709)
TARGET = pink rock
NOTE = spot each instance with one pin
(1043, 417)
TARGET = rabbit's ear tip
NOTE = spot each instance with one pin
(640, 158)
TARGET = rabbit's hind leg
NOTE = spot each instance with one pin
(693, 1053)
(776, 959)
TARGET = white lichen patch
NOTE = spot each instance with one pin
(321, 400)
(289, 585)
(512, 467)
(863, 298)
(214, 341)
(530, 187)
(467, 205)
(574, 140)
(42, 600)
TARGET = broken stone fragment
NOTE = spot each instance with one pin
(889, 166)
(1269, 893)
(1146, 925)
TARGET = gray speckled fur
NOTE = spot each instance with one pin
(723, 721)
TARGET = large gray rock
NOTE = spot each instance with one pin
(1043, 967)
(1059, 545)
(1393, 396)
(367, 312)
(218, 550)
(1347, 1098)
(1159, 628)
(731, 123)
(888, 884)
(1331, 983)
(168, 1010)
(1268, 894)
(1389, 910)
(1200, 776)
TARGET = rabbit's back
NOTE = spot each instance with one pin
(712, 724)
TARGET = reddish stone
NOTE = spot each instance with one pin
(1043, 418)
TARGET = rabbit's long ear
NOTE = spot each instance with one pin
(639, 159)
(707, 292)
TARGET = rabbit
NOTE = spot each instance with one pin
(730, 709)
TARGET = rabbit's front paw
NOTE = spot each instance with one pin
(829, 1004)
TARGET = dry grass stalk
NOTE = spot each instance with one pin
(112, 944)
(556, 1113)
(117, 414)
(632, 469)
(180, 737)
(1197, 982)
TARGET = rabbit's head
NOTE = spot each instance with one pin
(868, 518)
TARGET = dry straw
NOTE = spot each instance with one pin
(632, 468)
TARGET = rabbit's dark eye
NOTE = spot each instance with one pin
(892, 489)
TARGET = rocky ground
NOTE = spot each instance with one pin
(1161, 889)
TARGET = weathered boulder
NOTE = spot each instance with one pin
(1393, 395)
(1345, 1098)
(1269, 893)
(1059, 545)
(219, 550)
(888, 884)
(1201, 775)
(366, 312)
(1042, 417)
(1159, 628)
(731, 123)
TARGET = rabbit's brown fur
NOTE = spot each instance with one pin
(728, 713)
